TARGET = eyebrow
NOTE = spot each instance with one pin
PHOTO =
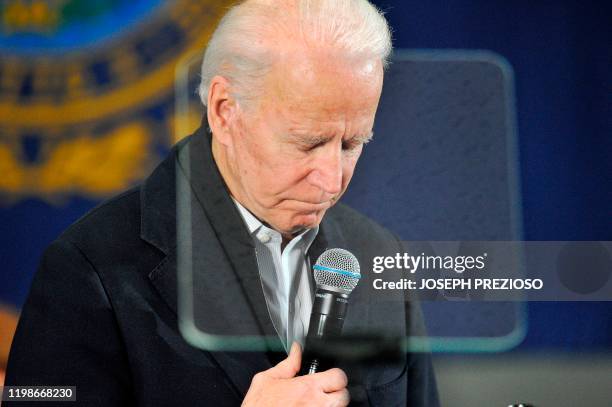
(363, 138)
(317, 139)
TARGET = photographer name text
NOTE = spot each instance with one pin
(455, 265)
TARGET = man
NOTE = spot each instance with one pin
(291, 90)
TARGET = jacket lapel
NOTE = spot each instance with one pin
(226, 226)
(207, 210)
(225, 295)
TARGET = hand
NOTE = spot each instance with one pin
(278, 386)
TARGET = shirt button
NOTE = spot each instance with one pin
(265, 237)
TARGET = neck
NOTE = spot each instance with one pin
(220, 157)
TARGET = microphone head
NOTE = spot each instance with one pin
(337, 270)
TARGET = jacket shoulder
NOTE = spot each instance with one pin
(115, 221)
(109, 239)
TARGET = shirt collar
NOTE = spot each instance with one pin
(250, 220)
(256, 228)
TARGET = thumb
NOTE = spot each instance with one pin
(290, 366)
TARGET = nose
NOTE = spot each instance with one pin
(327, 172)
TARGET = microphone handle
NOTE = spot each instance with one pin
(326, 320)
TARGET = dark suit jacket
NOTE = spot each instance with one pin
(102, 311)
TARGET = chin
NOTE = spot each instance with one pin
(307, 221)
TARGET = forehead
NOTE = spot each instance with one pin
(318, 87)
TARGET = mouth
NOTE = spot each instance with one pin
(315, 206)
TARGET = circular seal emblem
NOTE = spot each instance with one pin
(87, 90)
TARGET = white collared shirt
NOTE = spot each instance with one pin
(285, 275)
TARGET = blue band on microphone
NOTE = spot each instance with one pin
(343, 272)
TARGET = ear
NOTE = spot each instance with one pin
(221, 109)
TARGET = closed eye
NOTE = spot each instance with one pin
(350, 145)
(312, 146)
(356, 141)
(311, 143)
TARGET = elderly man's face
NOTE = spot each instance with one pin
(293, 153)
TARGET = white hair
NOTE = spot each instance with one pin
(244, 46)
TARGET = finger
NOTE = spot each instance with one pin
(338, 398)
(290, 366)
(331, 380)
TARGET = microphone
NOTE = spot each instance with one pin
(336, 274)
